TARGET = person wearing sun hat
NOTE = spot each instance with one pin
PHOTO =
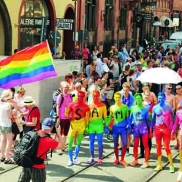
(33, 115)
(6, 126)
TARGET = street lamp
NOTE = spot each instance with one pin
(75, 6)
(152, 6)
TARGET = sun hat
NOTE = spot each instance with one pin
(47, 124)
(28, 100)
(6, 95)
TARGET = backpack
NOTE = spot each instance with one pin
(54, 99)
(25, 152)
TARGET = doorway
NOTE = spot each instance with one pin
(68, 43)
(5, 31)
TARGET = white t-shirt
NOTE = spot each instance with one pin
(116, 69)
(91, 89)
(19, 101)
(104, 68)
(98, 67)
(4, 120)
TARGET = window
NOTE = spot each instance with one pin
(90, 11)
(34, 9)
(123, 17)
(108, 18)
(34, 22)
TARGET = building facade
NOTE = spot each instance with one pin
(101, 23)
(106, 23)
(27, 22)
(176, 8)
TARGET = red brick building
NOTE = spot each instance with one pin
(113, 22)
(108, 22)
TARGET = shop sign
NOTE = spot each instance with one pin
(32, 22)
(64, 24)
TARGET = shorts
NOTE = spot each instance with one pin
(5, 130)
(140, 131)
(15, 129)
(96, 128)
(36, 175)
(65, 125)
(119, 131)
(76, 128)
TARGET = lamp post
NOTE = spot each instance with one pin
(152, 8)
(75, 6)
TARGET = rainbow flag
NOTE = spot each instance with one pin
(29, 65)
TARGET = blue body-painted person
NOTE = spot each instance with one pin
(120, 112)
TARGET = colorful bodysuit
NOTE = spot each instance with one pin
(79, 119)
(98, 115)
(162, 123)
(121, 123)
(178, 121)
(140, 122)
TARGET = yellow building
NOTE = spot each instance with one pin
(27, 22)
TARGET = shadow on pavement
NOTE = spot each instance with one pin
(2, 169)
(54, 170)
(96, 177)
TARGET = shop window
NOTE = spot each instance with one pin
(123, 17)
(33, 23)
(90, 12)
(108, 19)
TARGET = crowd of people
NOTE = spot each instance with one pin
(83, 105)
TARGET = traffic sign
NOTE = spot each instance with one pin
(54, 37)
(64, 24)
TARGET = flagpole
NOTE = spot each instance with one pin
(55, 45)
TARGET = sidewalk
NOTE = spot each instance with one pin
(108, 173)
(58, 171)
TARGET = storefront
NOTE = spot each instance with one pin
(5, 30)
(37, 19)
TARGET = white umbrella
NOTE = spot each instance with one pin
(176, 35)
(160, 76)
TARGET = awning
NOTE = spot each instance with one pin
(157, 23)
(163, 19)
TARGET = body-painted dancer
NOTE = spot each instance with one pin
(79, 112)
(140, 122)
(162, 124)
(120, 112)
(98, 114)
(149, 105)
(178, 121)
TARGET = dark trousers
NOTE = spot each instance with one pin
(142, 147)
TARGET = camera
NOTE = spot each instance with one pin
(72, 95)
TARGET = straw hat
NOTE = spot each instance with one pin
(28, 100)
(6, 95)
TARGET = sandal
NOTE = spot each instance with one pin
(9, 161)
(2, 159)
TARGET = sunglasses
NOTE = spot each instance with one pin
(178, 88)
(169, 88)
